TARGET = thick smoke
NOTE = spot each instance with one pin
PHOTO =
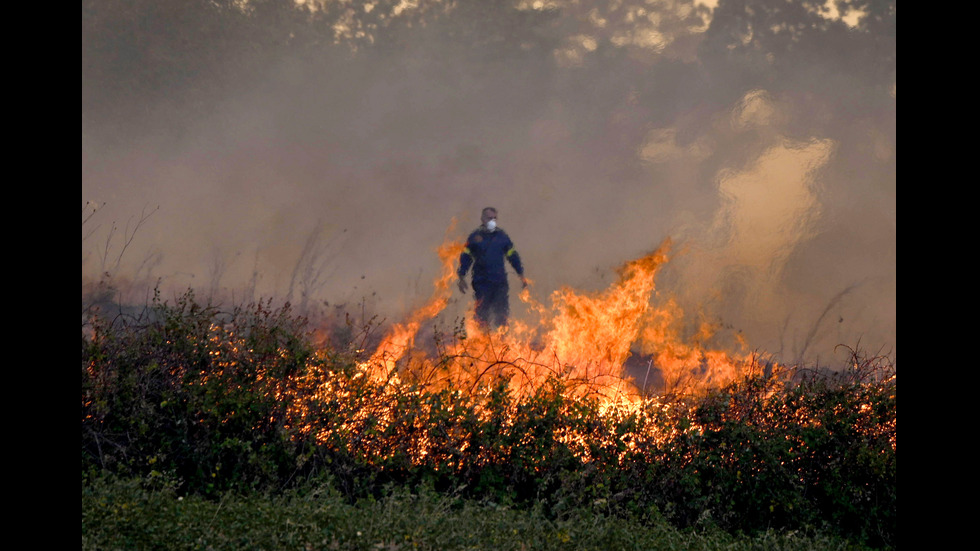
(328, 176)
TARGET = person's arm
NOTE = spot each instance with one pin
(465, 261)
(515, 260)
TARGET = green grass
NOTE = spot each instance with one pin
(136, 514)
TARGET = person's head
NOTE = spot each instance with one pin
(488, 214)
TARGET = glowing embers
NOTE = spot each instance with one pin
(579, 346)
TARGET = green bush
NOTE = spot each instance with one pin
(189, 390)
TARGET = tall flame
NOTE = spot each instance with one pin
(401, 338)
(584, 339)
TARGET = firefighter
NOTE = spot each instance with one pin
(486, 249)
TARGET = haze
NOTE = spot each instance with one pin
(320, 152)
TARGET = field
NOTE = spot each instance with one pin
(204, 428)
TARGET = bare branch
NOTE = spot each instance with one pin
(811, 336)
(129, 235)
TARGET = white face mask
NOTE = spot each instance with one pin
(492, 224)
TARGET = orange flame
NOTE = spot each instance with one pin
(582, 339)
(401, 338)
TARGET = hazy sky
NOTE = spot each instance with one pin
(764, 146)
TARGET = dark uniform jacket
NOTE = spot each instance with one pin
(485, 251)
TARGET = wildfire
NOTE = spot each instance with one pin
(581, 342)
(401, 338)
(429, 401)
(529, 395)
(582, 339)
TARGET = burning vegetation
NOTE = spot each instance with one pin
(582, 339)
(541, 412)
